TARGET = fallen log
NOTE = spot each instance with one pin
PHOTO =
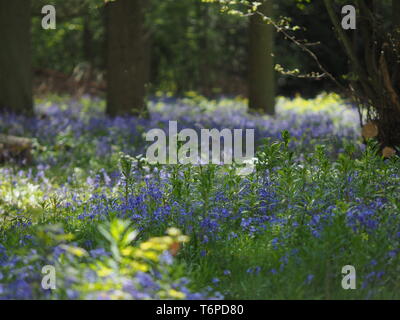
(15, 149)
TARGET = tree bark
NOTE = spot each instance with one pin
(87, 40)
(127, 61)
(261, 62)
(396, 13)
(15, 57)
(375, 87)
(396, 32)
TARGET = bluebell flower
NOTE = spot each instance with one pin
(393, 253)
(99, 252)
(166, 258)
(309, 279)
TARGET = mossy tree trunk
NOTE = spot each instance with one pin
(15, 57)
(127, 57)
(261, 62)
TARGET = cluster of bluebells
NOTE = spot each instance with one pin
(75, 130)
(21, 274)
(210, 205)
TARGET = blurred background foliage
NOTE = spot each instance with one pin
(193, 46)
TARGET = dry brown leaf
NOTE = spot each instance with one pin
(175, 248)
(370, 130)
(388, 152)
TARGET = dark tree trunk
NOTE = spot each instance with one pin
(15, 56)
(261, 62)
(376, 86)
(87, 40)
(127, 57)
(396, 36)
(389, 62)
(396, 13)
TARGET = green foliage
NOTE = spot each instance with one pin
(194, 46)
(74, 18)
(284, 231)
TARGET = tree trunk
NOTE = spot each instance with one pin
(15, 57)
(389, 113)
(127, 61)
(87, 40)
(396, 32)
(261, 62)
(376, 87)
(396, 13)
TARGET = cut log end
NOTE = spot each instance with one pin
(15, 149)
(388, 152)
(370, 130)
